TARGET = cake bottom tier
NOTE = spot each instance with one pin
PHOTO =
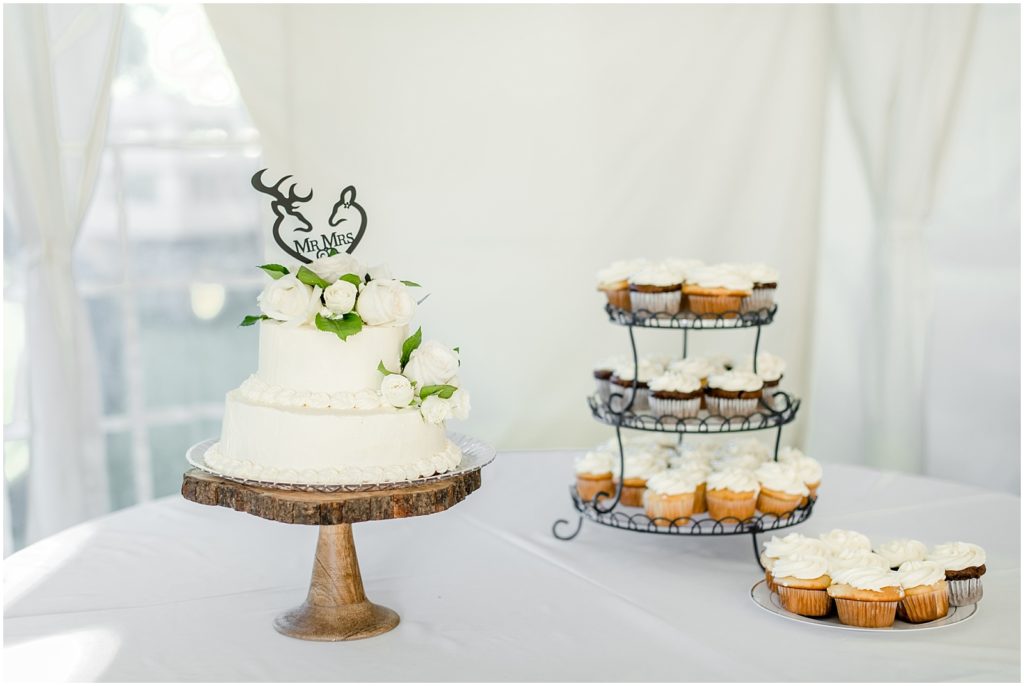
(323, 446)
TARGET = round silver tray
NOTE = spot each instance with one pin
(769, 601)
(475, 455)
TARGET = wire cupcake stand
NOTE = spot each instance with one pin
(616, 410)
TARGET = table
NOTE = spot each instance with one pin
(174, 591)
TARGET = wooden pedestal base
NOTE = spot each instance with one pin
(336, 608)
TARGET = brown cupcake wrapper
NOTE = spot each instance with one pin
(769, 503)
(711, 305)
(924, 607)
(700, 500)
(866, 613)
(669, 509)
(633, 496)
(589, 488)
(805, 601)
(770, 581)
(618, 297)
(722, 508)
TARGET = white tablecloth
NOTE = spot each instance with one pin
(176, 591)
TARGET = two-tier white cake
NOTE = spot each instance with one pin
(343, 394)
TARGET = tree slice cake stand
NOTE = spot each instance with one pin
(336, 606)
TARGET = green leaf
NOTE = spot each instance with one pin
(444, 390)
(275, 271)
(352, 279)
(251, 319)
(310, 278)
(411, 343)
(332, 252)
(456, 349)
(348, 325)
(384, 370)
(412, 284)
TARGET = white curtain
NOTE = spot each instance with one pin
(901, 69)
(59, 61)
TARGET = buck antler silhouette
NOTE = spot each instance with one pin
(284, 205)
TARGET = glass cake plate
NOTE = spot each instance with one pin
(770, 601)
(475, 455)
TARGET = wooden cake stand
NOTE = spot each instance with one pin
(336, 608)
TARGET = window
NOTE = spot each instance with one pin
(164, 260)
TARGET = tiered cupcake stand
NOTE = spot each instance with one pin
(617, 411)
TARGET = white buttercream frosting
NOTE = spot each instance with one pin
(848, 559)
(800, 566)
(612, 363)
(719, 276)
(839, 540)
(619, 271)
(675, 381)
(759, 272)
(255, 390)
(596, 462)
(867, 578)
(807, 468)
(749, 446)
(902, 550)
(672, 482)
(746, 461)
(736, 480)
(646, 370)
(792, 544)
(957, 555)
(694, 366)
(656, 275)
(769, 367)
(782, 478)
(915, 573)
(641, 465)
(681, 267)
(735, 381)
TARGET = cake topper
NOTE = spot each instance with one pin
(294, 233)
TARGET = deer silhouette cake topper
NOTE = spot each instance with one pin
(295, 234)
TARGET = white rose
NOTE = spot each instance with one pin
(340, 297)
(332, 268)
(432, 364)
(396, 390)
(460, 404)
(385, 302)
(435, 409)
(289, 300)
(381, 271)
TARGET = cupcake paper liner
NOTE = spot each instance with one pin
(589, 488)
(725, 305)
(759, 299)
(770, 580)
(604, 389)
(776, 505)
(657, 303)
(805, 601)
(731, 407)
(633, 496)
(924, 607)
(867, 613)
(670, 508)
(619, 298)
(642, 398)
(700, 501)
(720, 508)
(674, 408)
(964, 591)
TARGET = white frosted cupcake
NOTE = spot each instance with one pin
(806, 467)
(655, 290)
(674, 394)
(716, 291)
(925, 591)
(839, 540)
(613, 281)
(603, 371)
(787, 546)
(732, 493)
(621, 383)
(699, 473)
(765, 281)
(594, 472)
(770, 369)
(682, 268)
(670, 496)
(902, 550)
(781, 489)
(853, 558)
(640, 466)
(866, 596)
(699, 367)
(802, 581)
(733, 394)
(964, 564)
(748, 446)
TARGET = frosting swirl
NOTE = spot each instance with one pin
(902, 550)
(849, 559)
(759, 273)
(672, 482)
(656, 275)
(646, 370)
(736, 480)
(735, 381)
(720, 276)
(640, 465)
(957, 555)
(800, 566)
(595, 462)
(619, 271)
(769, 367)
(681, 268)
(839, 540)
(675, 381)
(807, 468)
(793, 544)
(779, 477)
(749, 446)
(867, 578)
(695, 366)
(920, 573)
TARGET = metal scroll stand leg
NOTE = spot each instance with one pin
(336, 608)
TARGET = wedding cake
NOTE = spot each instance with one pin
(343, 394)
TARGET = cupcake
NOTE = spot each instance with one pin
(675, 395)
(745, 461)
(765, 280)
(902, 550)
(733, 394)
(716, 292)
(866, 596)
(594, 475)
(699, 367)
(807, 468)
(731, 493)
(787, 546)
(839, 540)
(603, 374)
(669, 497)
(802, 581)
(770, 369)
(640, 466)
(613, 281)
(682, 268)
(964, 564)
(621, 383)
(721, 363)
(656, 290)
(748, 446)
(925, 591)
(839, 562)
(698, 472)
(781, 489)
